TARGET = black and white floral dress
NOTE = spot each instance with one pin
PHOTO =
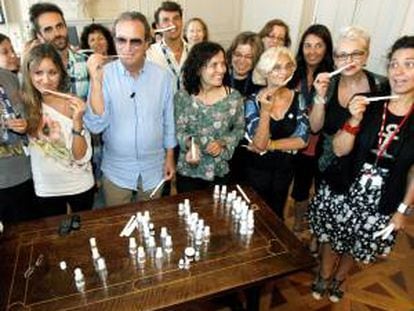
(348, 221)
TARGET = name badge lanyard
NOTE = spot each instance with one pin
(171, 64)
(384, 143)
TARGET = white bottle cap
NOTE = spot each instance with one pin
(63, 265)
(92, 242)
(189, 251)
(132, 242)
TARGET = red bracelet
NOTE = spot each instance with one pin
(353, 130)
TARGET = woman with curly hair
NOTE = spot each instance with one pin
(209, 119)
(59, 145)
(98, 38)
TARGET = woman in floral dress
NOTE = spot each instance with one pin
(209, 119)
(378, 139)
(59, 145)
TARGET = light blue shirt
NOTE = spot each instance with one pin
(137, 124)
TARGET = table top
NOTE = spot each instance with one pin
(229, 261)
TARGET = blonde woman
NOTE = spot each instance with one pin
(278, 126)
(329, 115)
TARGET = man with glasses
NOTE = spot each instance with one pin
(171, 52)
(49, 26)
(131, 103)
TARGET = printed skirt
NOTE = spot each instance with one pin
(348, 221)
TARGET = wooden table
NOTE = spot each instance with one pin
(230, 263)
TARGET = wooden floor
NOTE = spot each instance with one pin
(386, 285)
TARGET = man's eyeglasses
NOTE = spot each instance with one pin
(135, 43)
(356, 55)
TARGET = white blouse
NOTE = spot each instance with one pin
(55, 171)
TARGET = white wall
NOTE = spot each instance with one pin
(386, 20)
(257, 13)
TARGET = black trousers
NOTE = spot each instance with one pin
(305, 170)
(270, 176)
(188, 184)
(18, 203)
(237, 164)
(52, 206)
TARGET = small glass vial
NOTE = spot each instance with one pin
(92, 242)
(223, 193)
(132, 246)
(95, 256)
(206, 234)
(216, 193)
(181, 263)
(151, 228)
(163, 234)
(198, 239)
(180, 209)
(79, 280)
(168, 244)
(141, 255)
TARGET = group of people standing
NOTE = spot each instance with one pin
(255, 114)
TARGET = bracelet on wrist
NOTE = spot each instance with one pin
(272, 145)
(404, 209)
(353, 130)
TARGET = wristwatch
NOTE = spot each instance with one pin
(404, 209)
(80, 133)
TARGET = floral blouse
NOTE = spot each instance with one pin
(222, 121)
